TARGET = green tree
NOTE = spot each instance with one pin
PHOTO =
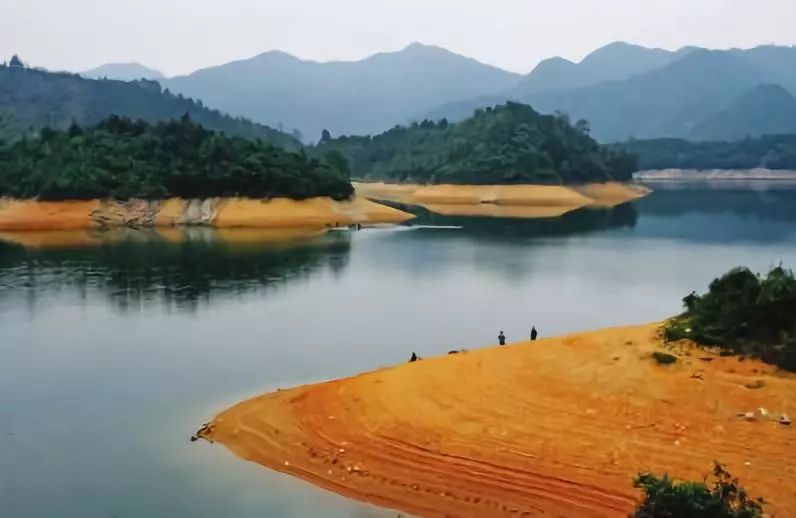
(723, 498)
(745, 314)
(123, 158)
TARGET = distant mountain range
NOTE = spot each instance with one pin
(614, 62)
(359, 97)
(123, 72)
(764, 110)
(623, 90)
(650, 93)
(37, 98)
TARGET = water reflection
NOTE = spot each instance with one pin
(571, 223)
(98, 401)
(177, 268)
(719, 213)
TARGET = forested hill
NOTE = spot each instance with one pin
(508, 144)
(769, 152)
(124, 159)
(38, 98)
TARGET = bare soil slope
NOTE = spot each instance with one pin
(557, 427)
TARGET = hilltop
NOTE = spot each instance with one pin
(123, 72)
(509, 144)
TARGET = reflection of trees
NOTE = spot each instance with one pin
(579, 221)
(181, 274)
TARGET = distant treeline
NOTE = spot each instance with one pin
(122, 158)
(508, 144)
(33, 99)
(770, 152)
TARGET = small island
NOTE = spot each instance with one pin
(558, 426)
(133, 173)
(506, 156)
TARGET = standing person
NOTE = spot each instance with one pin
(502, 338)
(534, 334)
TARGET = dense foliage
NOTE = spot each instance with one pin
(123, 158)
(744, 314)
(771, 152)
(38, 99)
(724, 498)
(508, 144)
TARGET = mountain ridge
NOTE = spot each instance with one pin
(346, 97)
(38, 98)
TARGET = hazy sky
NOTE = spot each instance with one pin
(179, 36)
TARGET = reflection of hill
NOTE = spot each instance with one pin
(774, 202)
(723, 215)
(180, 273)
(579, 221)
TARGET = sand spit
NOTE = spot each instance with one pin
(24, 215)
(557, 427)
(496, 211)
(555, 199)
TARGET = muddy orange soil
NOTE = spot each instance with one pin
(24, 215)
(541, 200)
(558, 427)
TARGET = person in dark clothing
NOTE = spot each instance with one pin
(414, 358)
(502, 338)
(534, 334)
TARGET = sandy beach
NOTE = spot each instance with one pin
(535, 201)
(559, 426)
(24, 215)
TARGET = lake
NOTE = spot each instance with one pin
(114, 354)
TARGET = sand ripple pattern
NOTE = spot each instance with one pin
(556, 428)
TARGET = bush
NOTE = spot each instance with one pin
(744, 313)
(724, 498)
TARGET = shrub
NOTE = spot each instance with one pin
(744, 313)
(724, 498)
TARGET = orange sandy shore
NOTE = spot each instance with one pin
(519, 201)
(24, 215)
(557, 427)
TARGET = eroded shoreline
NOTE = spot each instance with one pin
(277, 213)
(558, 426)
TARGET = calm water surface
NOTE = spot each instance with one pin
(112, 356)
